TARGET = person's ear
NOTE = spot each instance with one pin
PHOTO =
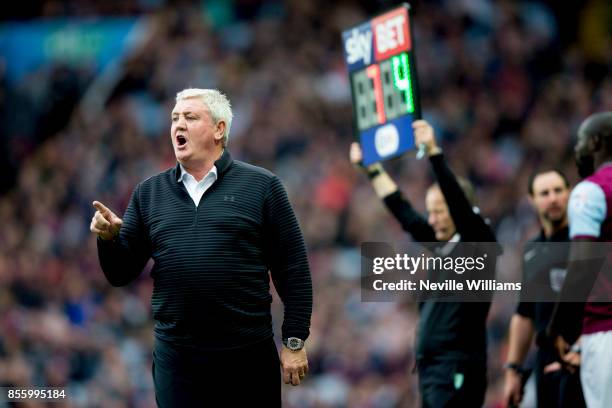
(220, 131)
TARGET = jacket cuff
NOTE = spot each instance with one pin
(300, 334)
(437, 159)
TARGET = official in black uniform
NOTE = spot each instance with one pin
(544, 268)
(451, 337)
(217, 230)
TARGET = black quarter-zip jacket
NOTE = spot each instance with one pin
(211, 262)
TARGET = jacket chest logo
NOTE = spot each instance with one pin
(557, 277)
(228, 198)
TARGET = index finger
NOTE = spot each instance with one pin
(102, 208)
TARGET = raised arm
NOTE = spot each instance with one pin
(386, 189)
(468, 223)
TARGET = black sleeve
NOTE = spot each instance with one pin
(411, 221)
(288, 262)
(124, 258)
(471, 226)
(526, 309)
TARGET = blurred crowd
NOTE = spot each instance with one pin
(505, 84)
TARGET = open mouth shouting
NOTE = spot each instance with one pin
(181, 141)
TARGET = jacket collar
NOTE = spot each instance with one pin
(222, 164)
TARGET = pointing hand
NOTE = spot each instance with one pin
(104, 222)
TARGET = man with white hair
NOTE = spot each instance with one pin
(214, 227)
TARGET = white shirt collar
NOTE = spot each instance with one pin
(184, 173)
(450, 245)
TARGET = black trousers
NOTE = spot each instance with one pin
(452, 383)
(185, 377)
(559, 389)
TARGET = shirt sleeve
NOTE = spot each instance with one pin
(412, 222)
(524, 308)
(470, 225)
(586, 210)
(124, 258)
(287, 260)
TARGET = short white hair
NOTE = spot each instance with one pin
(217, 103)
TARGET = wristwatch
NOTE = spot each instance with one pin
(293, 343)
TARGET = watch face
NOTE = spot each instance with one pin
(294, 343)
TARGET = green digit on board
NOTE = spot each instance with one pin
(401, 78)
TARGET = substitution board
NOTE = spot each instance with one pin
(381, 65)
